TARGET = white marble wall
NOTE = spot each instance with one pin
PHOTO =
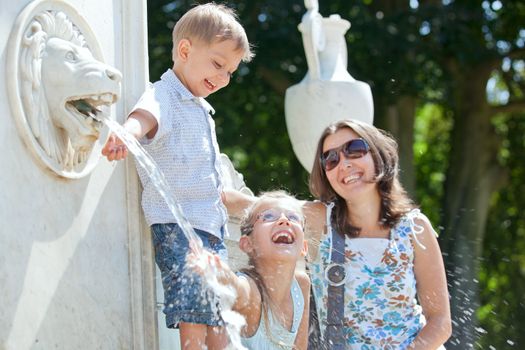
(76, 269)
(76, 262)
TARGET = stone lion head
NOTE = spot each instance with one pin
(65, 91)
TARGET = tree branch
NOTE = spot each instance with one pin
(278, 82)
(511, 107)
(518, 53)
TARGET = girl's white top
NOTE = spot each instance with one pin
(277, 337)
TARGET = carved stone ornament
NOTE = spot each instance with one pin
(327, 93)
(59, 88)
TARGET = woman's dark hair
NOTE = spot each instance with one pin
(383, 148)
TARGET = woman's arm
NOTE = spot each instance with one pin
(236, 202)
(315, 215)
(431, 290)
(301, 341)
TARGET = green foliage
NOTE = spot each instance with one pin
(502, 276)
(431, 147)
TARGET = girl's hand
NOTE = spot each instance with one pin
(205, 262)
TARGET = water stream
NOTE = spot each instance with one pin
(234, 321)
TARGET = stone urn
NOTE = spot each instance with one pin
(327, 93)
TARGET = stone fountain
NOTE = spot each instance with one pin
(76, 268)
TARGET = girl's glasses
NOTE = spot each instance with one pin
(352, 149)
(272, 215)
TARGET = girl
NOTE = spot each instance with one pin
(271, 295)
(372, 252)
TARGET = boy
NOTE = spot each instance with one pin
(173, 122)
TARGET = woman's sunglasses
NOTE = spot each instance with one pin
(352, 149)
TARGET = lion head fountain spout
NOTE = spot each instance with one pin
(64, 91)
(77, 88)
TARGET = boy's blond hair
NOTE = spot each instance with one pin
(209, 23)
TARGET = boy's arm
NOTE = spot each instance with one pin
(236, 202)
(301, 341)
(138, 124)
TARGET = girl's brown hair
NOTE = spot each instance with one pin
(383, 148)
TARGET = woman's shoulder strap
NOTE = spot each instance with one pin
(329, 207)
(415, 228)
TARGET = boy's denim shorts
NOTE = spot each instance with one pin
(185, 297)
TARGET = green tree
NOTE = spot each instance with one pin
(503, 264)
(429, 64)
(447, 52)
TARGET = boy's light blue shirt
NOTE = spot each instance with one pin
(186, 150)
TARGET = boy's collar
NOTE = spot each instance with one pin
(172, 78)
(206, 105)
(183, 91)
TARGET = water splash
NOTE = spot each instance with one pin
(226, 295)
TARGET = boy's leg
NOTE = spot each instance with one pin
(192, 336)
(188, 303)
(195, 336)
(216, 338)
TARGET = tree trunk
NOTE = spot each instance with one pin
(399, 121)
(471, 179)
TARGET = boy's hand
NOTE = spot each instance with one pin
(114, 149)
(139, 124)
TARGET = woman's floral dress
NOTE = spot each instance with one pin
(380, 306)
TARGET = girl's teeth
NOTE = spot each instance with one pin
(283, 237)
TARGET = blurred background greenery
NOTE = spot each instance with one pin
(448, 79)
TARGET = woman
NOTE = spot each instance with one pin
(371, 252)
